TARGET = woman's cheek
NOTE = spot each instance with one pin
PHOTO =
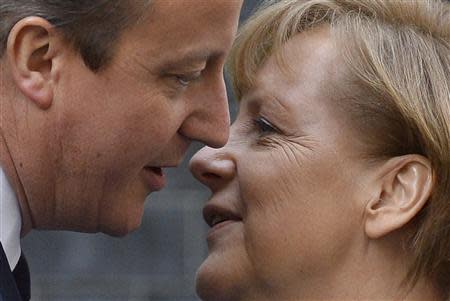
(271, 248)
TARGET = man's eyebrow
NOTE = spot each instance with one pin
(189, 59)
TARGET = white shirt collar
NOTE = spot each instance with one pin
(10, 221)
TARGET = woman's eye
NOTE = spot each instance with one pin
(264, 126)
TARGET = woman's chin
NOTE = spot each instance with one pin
(216, 282)
(207, 286)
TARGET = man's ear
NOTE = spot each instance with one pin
(30, 53)
(403, 188)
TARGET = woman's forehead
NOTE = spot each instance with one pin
(309, 62)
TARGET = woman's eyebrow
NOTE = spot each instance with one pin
(258, 100)
(269, 104)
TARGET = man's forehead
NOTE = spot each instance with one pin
(189, 20)
(190, 32)
(174, 10)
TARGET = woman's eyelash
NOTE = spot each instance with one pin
(264, 126)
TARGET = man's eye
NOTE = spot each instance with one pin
(182, 80)
(186, 79)
(264, 127)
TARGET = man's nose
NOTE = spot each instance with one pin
(213, 167)
(209, 120)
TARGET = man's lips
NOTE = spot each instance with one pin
(154, 177)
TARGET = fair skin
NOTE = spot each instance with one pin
(296, 213)
(84, 149)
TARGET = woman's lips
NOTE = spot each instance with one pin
(216, 228)
(154, 177)
(219, 228)
(219, 215)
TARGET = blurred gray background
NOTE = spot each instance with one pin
(157, 262)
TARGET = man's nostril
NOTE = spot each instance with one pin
(211, 176)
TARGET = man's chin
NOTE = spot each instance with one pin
(121, 229)
(114, 230)
(119, 233)
(124, 218)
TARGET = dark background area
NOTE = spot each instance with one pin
(157, 262)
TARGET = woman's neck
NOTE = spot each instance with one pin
(375, 272)
(375, 289)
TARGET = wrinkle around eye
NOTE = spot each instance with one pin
(294, 148)
(303, 143)
(293, 154)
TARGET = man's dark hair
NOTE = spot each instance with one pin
(90, 26)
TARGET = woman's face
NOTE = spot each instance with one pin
(288, 188)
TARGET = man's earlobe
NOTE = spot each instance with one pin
(30, 53)
(405, 186)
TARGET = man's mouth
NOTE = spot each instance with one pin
(154, 177)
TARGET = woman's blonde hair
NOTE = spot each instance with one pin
(398, 58)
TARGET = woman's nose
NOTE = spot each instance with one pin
(213, 167)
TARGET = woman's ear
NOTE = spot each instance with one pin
(404, 187)
(30, 52)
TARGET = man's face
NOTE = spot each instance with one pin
(113, 131)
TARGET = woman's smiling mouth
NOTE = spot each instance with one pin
(219, 218)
